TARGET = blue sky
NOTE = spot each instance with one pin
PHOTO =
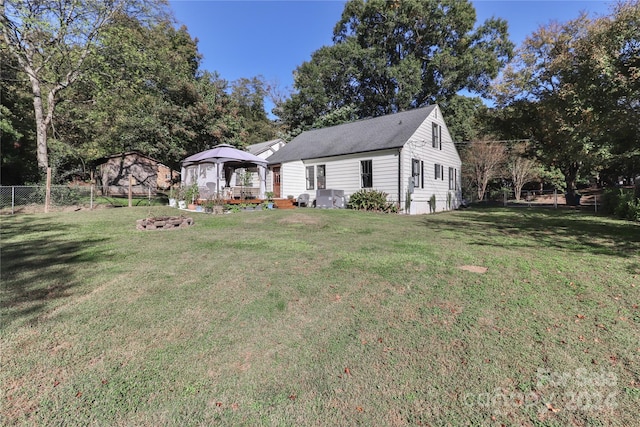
(271, 38)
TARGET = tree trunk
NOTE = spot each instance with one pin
(41, 125)
(570, 177)
(517, 190)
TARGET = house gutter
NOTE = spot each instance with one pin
(399, 178)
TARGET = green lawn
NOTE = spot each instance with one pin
(317, 317)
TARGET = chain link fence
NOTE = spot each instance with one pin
(32, 198)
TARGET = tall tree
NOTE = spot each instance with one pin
(483, 161)
(249, 95)
(17, 142)
(520, 168)
(51, 41)
(395, 55)
(574, 89)
(144, 92)
(608, 75)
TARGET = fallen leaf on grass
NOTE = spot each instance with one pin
(359, 408)
(347, 371)
(292, 397)
(580, 316)
(551, 408)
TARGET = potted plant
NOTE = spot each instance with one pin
(214, 205)
(180, 196)
(172, 197)
(191, 196)
(269, 195)
(244, 179)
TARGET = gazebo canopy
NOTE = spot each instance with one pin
(221, 157)
(225, 153)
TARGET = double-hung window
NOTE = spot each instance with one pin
(366, 173)
(415, 172)
(310, 178)
(452, 179)
(322, 177)
(436, 136)
(439, 171)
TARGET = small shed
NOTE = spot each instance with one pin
(147, 173)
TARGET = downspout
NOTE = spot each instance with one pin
(399, 178)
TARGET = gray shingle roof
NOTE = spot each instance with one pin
(261, 146)
(379, 133)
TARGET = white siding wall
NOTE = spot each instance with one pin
(292, 179)
(343, 173)
(420, 147)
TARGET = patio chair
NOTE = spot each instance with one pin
(303, 199)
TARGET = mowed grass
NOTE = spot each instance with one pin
(316, 317)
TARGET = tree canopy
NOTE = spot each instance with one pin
(51, 41)
(390, 56)
(144, 92)
(574, 89)
(138, 86)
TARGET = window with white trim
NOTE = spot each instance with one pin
(310, 178)
(438, 171)
(415, 172)
(321, 171)
(366, 172)
(436, 136)
(452, 179)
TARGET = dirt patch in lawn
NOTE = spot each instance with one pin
(473, 268)
(301, 219)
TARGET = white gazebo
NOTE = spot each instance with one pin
(214, 172)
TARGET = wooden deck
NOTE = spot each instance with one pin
(279, 203)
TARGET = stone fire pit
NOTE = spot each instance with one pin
(164, 223)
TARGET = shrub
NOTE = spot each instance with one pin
(621, 203)
(371, 200)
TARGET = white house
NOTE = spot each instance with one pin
(408, 155)
(266, 149)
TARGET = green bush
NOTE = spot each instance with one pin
(372, 200)
(621, 203)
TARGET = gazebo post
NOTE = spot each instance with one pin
(262, 174)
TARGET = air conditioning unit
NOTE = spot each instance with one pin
(329, 199)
